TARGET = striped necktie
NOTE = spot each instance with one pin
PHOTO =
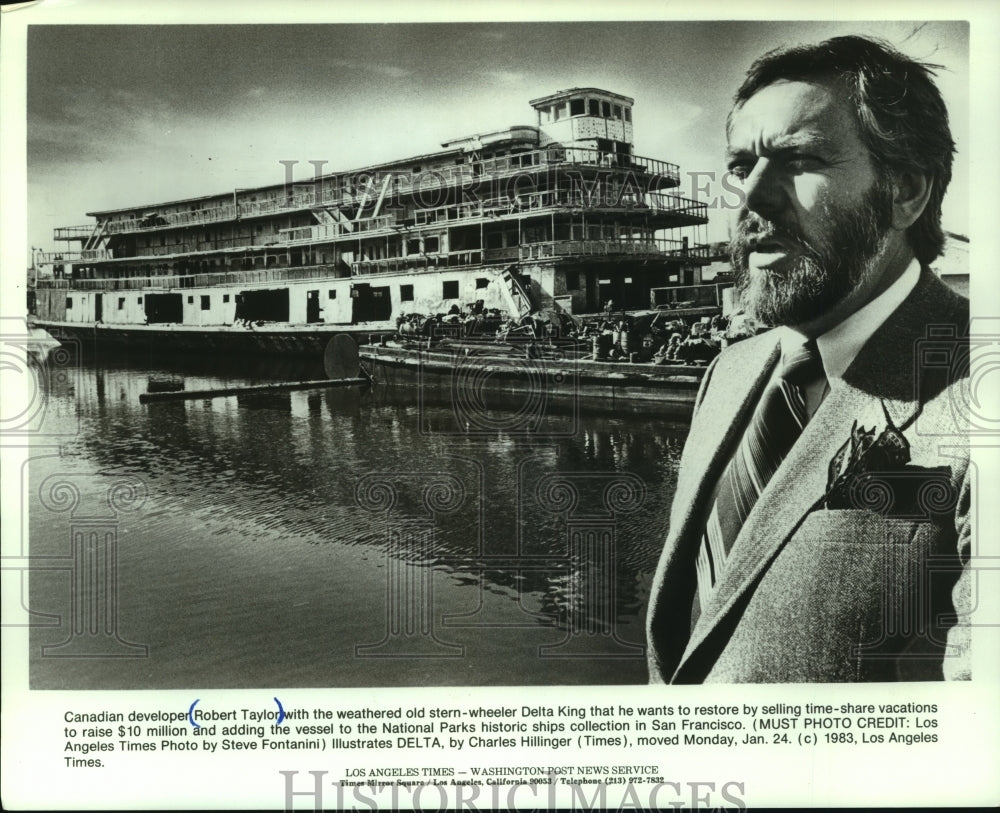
(776, 425)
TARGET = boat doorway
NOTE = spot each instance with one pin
(162, 308)
(608, 291)
(267, 305)
(312, 307)
(98, 307)
(370, 304)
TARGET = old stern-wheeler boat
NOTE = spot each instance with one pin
(556, 215)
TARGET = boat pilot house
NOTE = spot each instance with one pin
(557, 214)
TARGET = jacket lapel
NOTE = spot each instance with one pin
(882, 379)
(793, 491)
(714, 433)
(719, 427)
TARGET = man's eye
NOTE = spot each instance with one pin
(740, 171)
(803, 163)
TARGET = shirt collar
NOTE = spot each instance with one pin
(841, 344)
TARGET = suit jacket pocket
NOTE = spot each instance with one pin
(851, 526)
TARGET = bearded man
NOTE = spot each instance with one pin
(820, 528)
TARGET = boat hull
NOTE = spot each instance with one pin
(288, 340)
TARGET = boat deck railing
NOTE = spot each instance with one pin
(568, 197)
(74, 232)
(535, 202)
(82, 256)
(361, 189)
(587, 248)
(652, 247)
(167, 282)
(466, 259)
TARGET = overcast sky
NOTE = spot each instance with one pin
(131, 115)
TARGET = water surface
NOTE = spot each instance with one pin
(386, 537)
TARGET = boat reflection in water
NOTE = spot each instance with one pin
(390, 535)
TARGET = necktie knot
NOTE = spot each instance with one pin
(804, 365)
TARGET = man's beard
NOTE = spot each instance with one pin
(823, 273)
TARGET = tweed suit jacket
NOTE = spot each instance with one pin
(810, 594)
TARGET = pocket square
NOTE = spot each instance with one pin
(912, 492)
(875, 474)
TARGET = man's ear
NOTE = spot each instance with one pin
(910, 193)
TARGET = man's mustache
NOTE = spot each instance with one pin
(752, 230)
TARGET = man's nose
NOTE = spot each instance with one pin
(763, 190)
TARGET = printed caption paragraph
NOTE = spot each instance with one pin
(93, 739)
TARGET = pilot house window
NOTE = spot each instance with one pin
(576, 107)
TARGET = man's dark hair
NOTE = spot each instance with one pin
(901, 116)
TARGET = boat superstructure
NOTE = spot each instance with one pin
(559, 214)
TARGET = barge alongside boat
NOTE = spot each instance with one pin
(559, 215)
(472, 374)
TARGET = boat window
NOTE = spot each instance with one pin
(405, 293)
(121, 303)
(190, 300)
(432, 244)
(206, 302)
(557, 112)
(449, 289)
(628, 114)
(572, 280)
(618, 111)
(225, 298)
(576, 107)
(331, 294)
(69, 303)
(482, 282)
(606, 109)
(595, 107)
